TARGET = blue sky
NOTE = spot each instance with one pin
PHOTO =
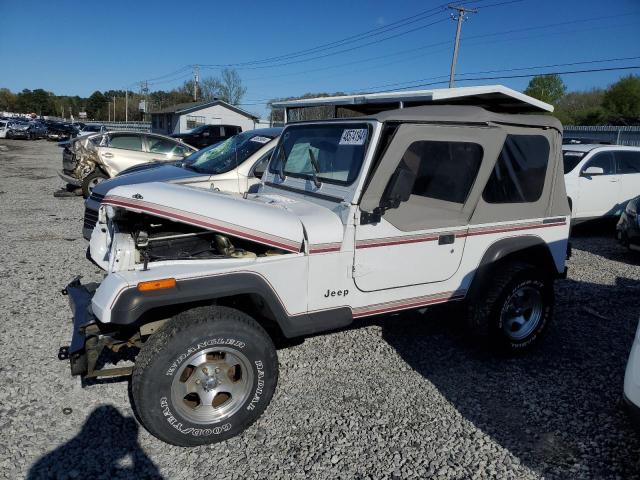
(71, 47)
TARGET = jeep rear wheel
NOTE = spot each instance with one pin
(515, 310)
(206, 376)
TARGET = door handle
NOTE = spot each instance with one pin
(446, 239)
(107, 155)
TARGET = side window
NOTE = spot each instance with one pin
(443, 170)
(127, 142)
(603, 160)
(261, 165)
(519, 173)
(161, 145)
(628, 161)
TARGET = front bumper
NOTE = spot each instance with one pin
(70, 180)
(80, 302)
(19, 133)
(87, 340)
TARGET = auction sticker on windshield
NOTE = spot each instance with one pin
(260, 139)
(353, 136)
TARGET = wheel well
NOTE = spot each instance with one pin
(250, 303)
(536, 255)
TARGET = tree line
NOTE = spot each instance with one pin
(619, 104)
(110, 104)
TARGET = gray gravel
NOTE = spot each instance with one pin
(403, 396)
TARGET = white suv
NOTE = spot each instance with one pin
(600, 179)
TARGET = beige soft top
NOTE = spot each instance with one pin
(464, 114)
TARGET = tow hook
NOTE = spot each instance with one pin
(63, 353)
(64, 291)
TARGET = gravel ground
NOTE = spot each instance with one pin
(402, 396)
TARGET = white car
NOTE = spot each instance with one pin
(231, 166)
(600, 179)
(3, 128)
(632, 380)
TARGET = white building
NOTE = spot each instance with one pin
(183, 117)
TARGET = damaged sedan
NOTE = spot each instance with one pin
(90, 159)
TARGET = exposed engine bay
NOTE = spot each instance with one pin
(134, 238)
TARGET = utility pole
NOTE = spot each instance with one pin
(126, 105)
(114, 108)
(196, 72)
(460, 17)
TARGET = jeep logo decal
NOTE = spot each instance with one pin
(137, 196)
(338, 293)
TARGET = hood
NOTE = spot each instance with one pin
(273, 220)
(153, 173)
(214, 211)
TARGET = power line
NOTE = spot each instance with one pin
(351, 39)
(535, 74)
(586, 62)
(532, 74)
(374, 42)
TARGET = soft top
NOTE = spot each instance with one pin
(464, 114)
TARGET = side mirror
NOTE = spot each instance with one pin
(399, 188)
(592, 171)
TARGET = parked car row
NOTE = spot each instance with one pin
(14, 129)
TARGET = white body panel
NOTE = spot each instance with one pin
(594, 196)
(632, 374)
(333, 260)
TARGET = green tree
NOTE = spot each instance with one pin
(622, 100)
(95, 104)
(7, 100)
(548, 88)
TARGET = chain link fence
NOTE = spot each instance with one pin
(616, 135)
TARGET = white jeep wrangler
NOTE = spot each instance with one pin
(398, 210)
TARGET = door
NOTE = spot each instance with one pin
(598, 193)
(122, 151)
(422, 240)
(628, 172)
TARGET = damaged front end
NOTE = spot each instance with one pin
(80, 158)
(89, 338)
(135, 237)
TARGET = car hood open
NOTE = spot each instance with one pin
(271, 220)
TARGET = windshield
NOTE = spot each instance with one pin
(225, 156)
(571, 159)
(337, 150)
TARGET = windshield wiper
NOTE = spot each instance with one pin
(316, 169)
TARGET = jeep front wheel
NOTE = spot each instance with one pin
(206, 376)
(516, 308)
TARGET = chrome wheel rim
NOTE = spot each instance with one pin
(522, 312)
(212, 385)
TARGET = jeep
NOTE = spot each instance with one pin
(398, 210)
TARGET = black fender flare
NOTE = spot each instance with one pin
(505, 247)
(131, 304)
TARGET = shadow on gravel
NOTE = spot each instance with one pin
(557, 408)
(106, 447)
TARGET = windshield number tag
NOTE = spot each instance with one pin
(353, 136)
(260, 139)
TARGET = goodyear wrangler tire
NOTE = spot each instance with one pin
(516, 308)
(206, 376)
